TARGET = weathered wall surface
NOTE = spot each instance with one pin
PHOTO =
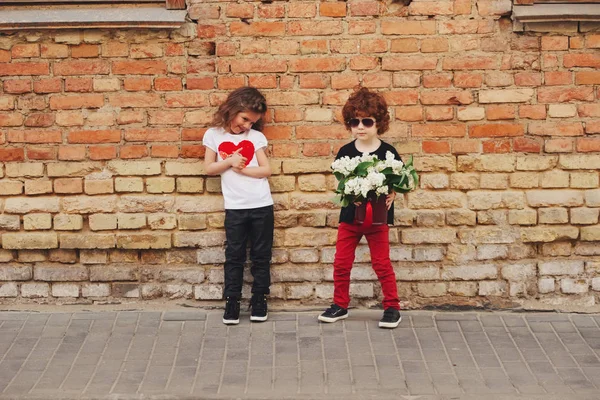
(103, 193)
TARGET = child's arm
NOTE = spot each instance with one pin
(214, 167)
(262, 171)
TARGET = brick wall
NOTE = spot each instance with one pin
(103, 193)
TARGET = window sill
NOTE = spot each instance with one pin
(127, 17)
(556, 12)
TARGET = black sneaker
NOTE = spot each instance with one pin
(391, 318)
(333, 314)
(232, 311)
(258, 304)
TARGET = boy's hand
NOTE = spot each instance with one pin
(236, 160)
(389, 199)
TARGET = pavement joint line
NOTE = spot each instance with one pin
(114, 322)
(448, 355)
(352, 381)
(137, 323)
(372, 353)
(475, 363)
(412, 326)
(588, 346)
(151, 355)
(78, 352)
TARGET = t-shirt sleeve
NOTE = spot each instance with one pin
(260, 141)
(342, 152)
(209, 140)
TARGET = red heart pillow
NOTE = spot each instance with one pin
(228, 148)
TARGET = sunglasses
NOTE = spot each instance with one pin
(367, 122)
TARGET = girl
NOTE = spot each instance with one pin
(235, 149)
(366, 116)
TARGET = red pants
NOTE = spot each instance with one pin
(379, 244)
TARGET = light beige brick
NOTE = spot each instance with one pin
(16, 272)
(487, 235)
(579, 161)
(596, 284)
(162, 221)
(95, 290)
(102, 222)
(470, 113)
(148, 204)
(492, 288)
(197, 204)
(464, 181)
(126, 290)
(34, 290)
(302, 237)
(26, 170)
(8, 289)
(584, 215)
(311, 201)
(187, 274)
(10, 222)
(565, 267)
(134, 168)
(461, 217)
(590, 233)
(522, 217)
(208, 292)
(518, 272)
(524, 180)
(435, 164)
(280, 184)
(126, 185)
(470, 272)
(88, 204)
(306, 290)
(517, 289)
(428, 200)
(78, 168)
(556, 249)
(555, 179)
(506, 95)
(65, 290)
(101, 186)
(11, 187)
(199, 239)
(553, 215)
(562, 110)
(487, 163)
(434, 181)
(151, 291)
(574, 286)
(213, 185)
(144, 241)
(190, 185)
(32, 256)
(592, 198)
(87, 241)
(178, 168)
(178, 291)
(106, 85)
(548, 233)
(546, 285)
(160, 185)
(466, 289)
(37, 186)
(131, 221)
(6, 256)
(318, 114)
(192, 221)
(432, 289)
(434, 236)
(108, 273)
(68, 222)
(304, 255)
(430, 218)
(24, 205)
(29, 240)
(311, 183)
(37, 221)
(494, 181)
(93, 256)
(306, 166)
(492, 252)
(579, 180)
(549, 198)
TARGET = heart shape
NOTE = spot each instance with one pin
(226, 149)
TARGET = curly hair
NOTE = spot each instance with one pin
(367, 103)
(240, 100)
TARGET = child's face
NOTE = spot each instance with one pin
(360, 130)
(243, 121)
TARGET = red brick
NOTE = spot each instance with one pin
(139, 67)
(152, 135)
(587, 78)
(377, 80)
(40, 120)
(276, 29)
(496, 112)
(435, 147)
(466, 146)
(49, 85)
(467, 80)
(284, 150)
(269, 11)
(71, 153)
(314, 28)
(98, 136)
(11, 119)
(439, 113)
(17, 86)
(321, 132)
(230, 82)
(592, 41)
(431, 8)
(103, 152)
(456, 97)
(563, 95)
(496, 146)
(314, 47)
(41, 153)
(168, 84)
(400, 63)
(458, 27)
(320, 64)
(585, 145)
(263, 81)
(193, 151)
(439, 130)
(189, 99)
(373, 46)
(556, 129)
(34, 136)
(162, 117)
(4, 56)
(74, 102)
(410, 113)
(314, 81)
(150, 50)
(234, 10)
(137, 151)
(201, 83)
(344, 80)
(78, 85)
(495, 130)
(283, 115)
(137, 84)
(24, 68)
(165, 151)
(32, 102)
(527, 145)
(130, 100)
(467, 63)
(115, 49)
(562, 145)
(437, 80)
(174, 49)
(555, 43)
(332, 9)
(528, 79)
(12, 154)
(588, 110)
(346, 46)
(278, 132)
(286, 82)
(85, 51)
(361, 27)
(72, 118)
(390, 27)
(318, 149)
(192, 134)
(404, 45)
(211, 31)
(533, 111)
(592, 127)
(556, 78)
(301, 10)
(575, 42)
(28, 50)
(581, 60)
(437, 45)
(81, 67)
(401, 97)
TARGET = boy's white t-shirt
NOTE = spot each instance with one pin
(240, 191)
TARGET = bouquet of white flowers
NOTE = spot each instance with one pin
(367, 176)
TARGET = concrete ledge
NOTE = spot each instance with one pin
(134, 17)
(557, 12)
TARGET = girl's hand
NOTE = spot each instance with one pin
(389, 199)
(236, 160)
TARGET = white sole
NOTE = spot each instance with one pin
(231, 321)
(390, 325)
(327, 319)
(259, 319)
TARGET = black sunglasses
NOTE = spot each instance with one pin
(367, 122)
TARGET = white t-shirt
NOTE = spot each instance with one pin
(240, 191)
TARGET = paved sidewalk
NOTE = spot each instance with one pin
(191, 354)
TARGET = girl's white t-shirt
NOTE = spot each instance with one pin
(240, 191)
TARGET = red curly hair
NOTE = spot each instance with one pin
(365, 103)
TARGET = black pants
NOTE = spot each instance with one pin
(255, 224)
